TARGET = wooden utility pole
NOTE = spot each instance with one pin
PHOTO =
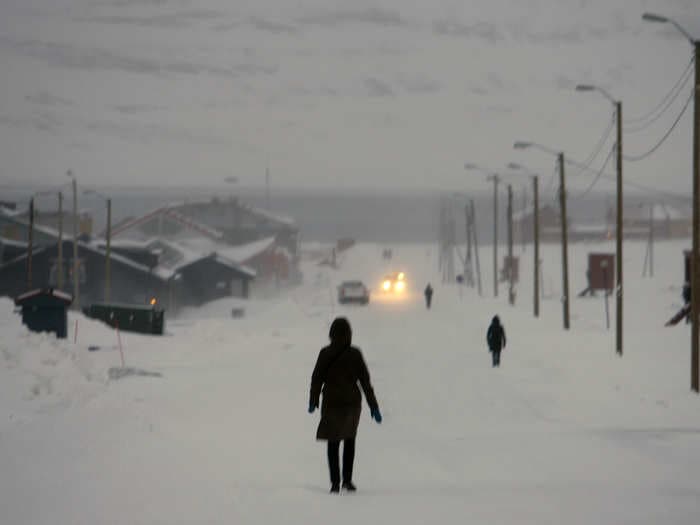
(564, 243)
(522, 230)
(476, 247)
(495, 180)
(109, 242)
(468, 272)
(536, 240)
(649, 260)
(511, 290)
(59, 281)
(619, 236)
(651, 242)
(76, 269)
(30, 244)
(695, 264)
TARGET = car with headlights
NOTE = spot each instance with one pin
(353, 292)
(394, 283)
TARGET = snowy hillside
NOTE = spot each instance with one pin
(376, 93)
(211, 426)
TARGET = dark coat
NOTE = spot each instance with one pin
(338, 370)
(496, 336)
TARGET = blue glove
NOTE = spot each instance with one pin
(376, 415)
(312, 407)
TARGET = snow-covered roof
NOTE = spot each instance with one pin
(191, 251)
(12, 242)
(14, 216)
(68, 298)
(245, 252)
(282, 219)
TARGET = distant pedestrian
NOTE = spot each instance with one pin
(428, 292)
(338, 369)
(496, 338)
(686, 299)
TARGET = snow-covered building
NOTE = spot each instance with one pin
(668, 222)
(265, 242)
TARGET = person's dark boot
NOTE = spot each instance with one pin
(335, 488)
(348, 486)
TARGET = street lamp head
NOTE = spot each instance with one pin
(522, 145)
(651, 17)
(585, 87)
(514, 166)
(69, 173)
(470, 166)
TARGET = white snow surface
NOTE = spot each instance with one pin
(211, 425)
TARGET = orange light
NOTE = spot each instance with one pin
(153, 301)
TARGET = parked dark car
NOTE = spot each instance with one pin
(353, 292)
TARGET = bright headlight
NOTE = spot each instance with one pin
(386, 285)
(401, 276)
(400, 286)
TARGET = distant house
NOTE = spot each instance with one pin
(201, 275)
(270, 241)
(668, 222)
(550, 227)
(52, 219)
(169, 273)
(130, 282)
(15, 228)
(550, 224)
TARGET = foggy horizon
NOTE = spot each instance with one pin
(378, 95)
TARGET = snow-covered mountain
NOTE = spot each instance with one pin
(328, 93)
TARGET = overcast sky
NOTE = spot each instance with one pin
(333, 94)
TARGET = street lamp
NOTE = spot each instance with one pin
(535, 234)
(108, 235)
(619, 234)
(695, 263)
(76, 276)
(495, 179)
(564, 228)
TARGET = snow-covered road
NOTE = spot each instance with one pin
(563, 432)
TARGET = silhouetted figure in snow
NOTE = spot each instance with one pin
(496, 339)
(338, 369)
(686, 299)
(428, 292)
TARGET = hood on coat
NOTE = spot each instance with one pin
(340, 333)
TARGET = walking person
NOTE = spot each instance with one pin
(338, 369)
(496, 339)
(428, 292)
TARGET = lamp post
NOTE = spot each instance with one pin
(76, 277)
(535, 236)
(495, 179)
(30, 243)
(108, 236)
(619, 234)
(695, 257)
(564, 227)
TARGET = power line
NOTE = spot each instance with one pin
(676, 87)
(665, 108)
(601, 142)
(635, 158)
(598, 175)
